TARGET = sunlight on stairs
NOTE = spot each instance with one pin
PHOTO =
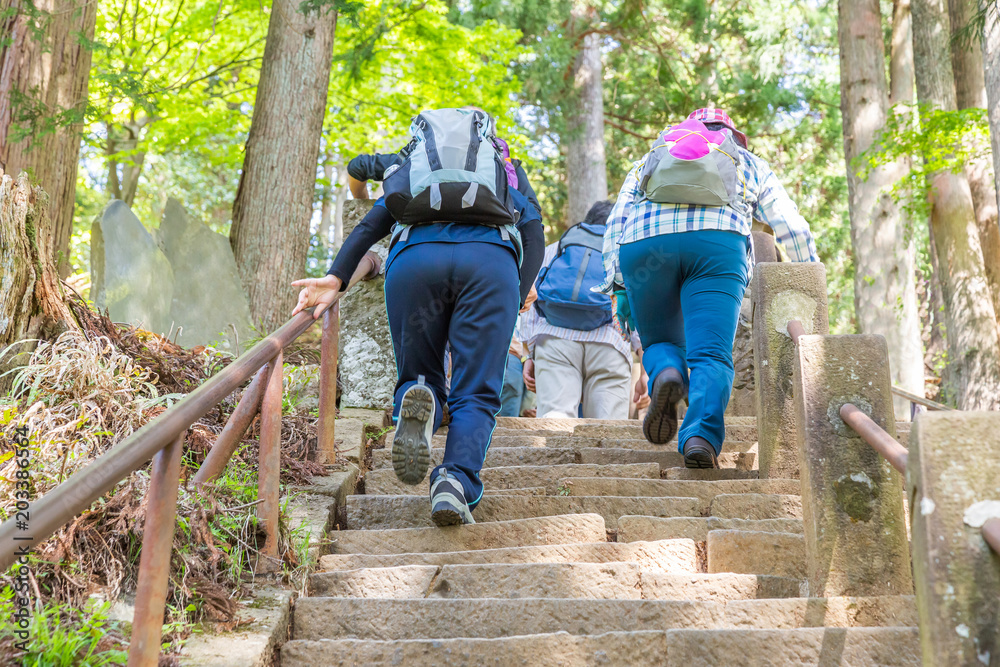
(592, 547)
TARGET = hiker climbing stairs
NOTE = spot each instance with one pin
(592, 546)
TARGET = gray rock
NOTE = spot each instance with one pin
(366, 360)
(208, 301)
(130, 275)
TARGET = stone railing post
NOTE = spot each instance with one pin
(953, 482)
(852, 499)
(782, 291)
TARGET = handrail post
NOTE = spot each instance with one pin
(154, 561)
(269, 466)
(326, 448)
(232, 434)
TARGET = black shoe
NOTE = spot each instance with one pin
(699, 454)
(660, 424)
(448, 505)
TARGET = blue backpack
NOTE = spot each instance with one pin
(564, 295)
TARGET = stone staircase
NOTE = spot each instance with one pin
(592, 547)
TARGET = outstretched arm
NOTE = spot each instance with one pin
(776, 209)
(616, 223)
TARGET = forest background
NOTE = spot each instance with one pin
(247, 113)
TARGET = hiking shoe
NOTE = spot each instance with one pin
(699, 454)
(448, 506)
(411, 446)
(660, 424)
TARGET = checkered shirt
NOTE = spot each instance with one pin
(766, 200)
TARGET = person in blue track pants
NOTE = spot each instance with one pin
(678, 272)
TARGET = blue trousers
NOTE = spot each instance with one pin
(513, 388)
(465, 294)
(685, 290)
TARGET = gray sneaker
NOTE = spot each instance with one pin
(411, 445)
(448, 506)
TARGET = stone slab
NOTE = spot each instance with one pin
(671, 556)
(710, 474)
(741, 430)
(498, 457)
(757, 552)
(647, 528)
(512, 440)
(953, 485)
(719, 587)
(664, 458)
(578, 528)
(782, 292)
(384, 480)
(823, 647)
(852, 498)
(252, 645)
(341, 618)
(539, 650)
(840, 612)
(381, 512)
(704, 490)
(757, 506)
(350, 440)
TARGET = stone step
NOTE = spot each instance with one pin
(550, 530)
(731, 445)
(501, 457)
(665, 458)
(710, 474)
(828, 647)
(757, 506)
(757, 552)
(703, 490)
(593, 581)
(743, 429)
(557, 649)
(381, 512)
(384, 481)
(517, 439)
(440, 618)
(647, 528)
(675, 556)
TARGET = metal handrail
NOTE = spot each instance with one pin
(991, 533)
(919, 400)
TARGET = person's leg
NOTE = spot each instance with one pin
(558, 377)
(418, 322)
(486, 285)
(606, 383)
(513, 388)
(711, 298)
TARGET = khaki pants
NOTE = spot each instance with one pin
(568, 373)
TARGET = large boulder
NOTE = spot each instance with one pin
(208, 302)
(130, 275)
(366, 360)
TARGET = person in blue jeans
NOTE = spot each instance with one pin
(678, 273)
(446, 283)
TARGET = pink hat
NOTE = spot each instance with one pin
(717, 116)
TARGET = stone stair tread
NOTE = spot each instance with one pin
(438, 618)
(499, 456)
(735, 430)
(384, 481)
(636, 528)
(757, 552)
(668, 555)
(666, 458)
(622, 581)
(539, 650)
(734, 445)
(549, 530)
(381, 512)
(840, 612)
(705, 490)
(828, 647)
(710, 474)
(756, 506)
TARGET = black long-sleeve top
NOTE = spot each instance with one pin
(378, 223)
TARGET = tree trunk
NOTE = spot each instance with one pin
(901, 55)
(970, 90)
(32, 304)
(586, 170)
(885, 297)
(43, 64)
(274, 201)
(973, 337)
(991, 68)
(326, 207)
(343, 190)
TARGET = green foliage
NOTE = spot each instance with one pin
(61, 636)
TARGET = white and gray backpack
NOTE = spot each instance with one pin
(451, 172)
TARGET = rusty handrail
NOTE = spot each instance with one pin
(991, 533)
(919, 400)
(875, 435)
(795, 329)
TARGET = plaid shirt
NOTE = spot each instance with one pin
(533, 326)
(766, 200)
